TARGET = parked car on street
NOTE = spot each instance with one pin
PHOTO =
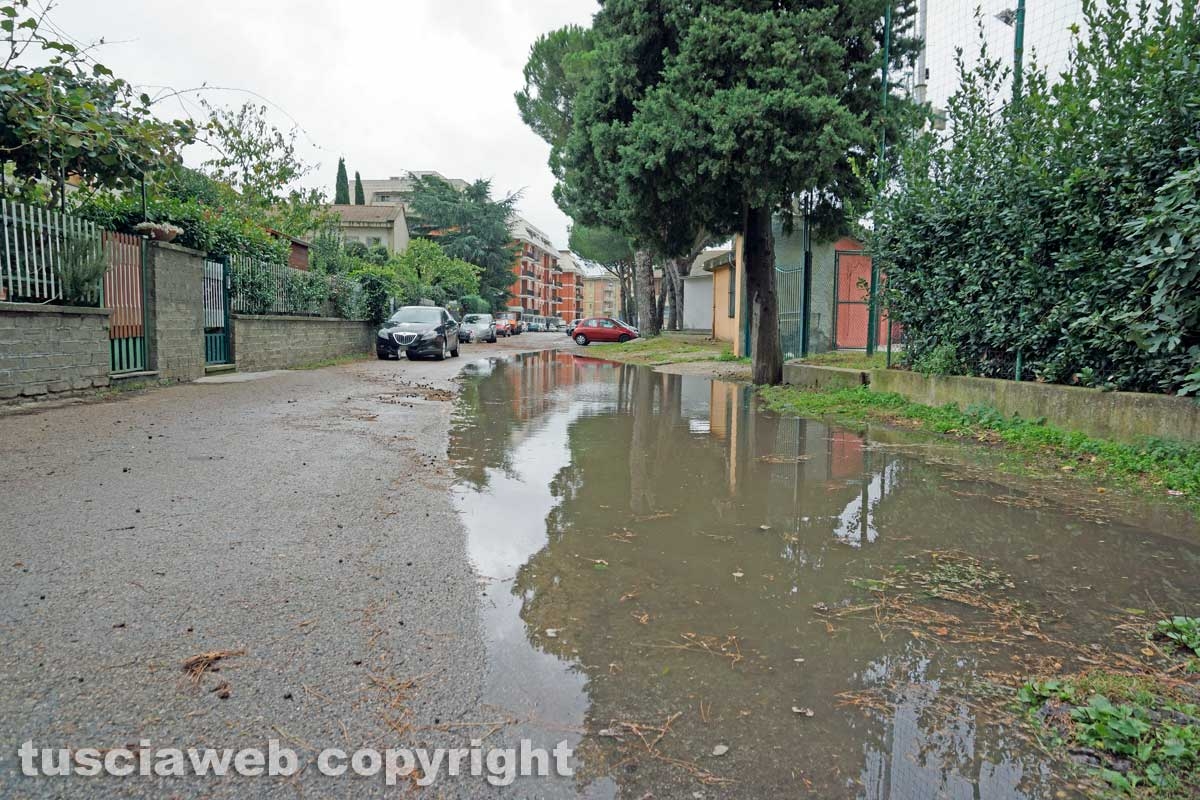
(602, 329)
(537, 327)
(571, 326)
(418, 331)
(504, 327)
(477, 328)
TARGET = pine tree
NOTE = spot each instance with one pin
(341, 191)
(359, 198)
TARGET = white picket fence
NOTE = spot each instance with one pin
(32, 239)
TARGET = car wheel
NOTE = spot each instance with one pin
(409, 356)
(381, 356)
(580, 339)
(623, 338)
(441, 355)
(454, 352)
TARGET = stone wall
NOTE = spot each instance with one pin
(809, 376)
(175, 313)
(1123, 416)
(48, 349)
(278, 342)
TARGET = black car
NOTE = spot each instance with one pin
(418, 331)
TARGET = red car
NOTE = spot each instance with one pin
(603, 329)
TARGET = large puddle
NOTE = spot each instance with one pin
(672, 572)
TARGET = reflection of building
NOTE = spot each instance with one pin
(536, 271)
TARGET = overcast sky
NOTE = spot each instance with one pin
(392, 85)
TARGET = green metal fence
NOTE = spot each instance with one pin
(260, 287)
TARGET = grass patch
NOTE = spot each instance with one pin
(1138, 733)
(669, 348)
(848, 359)
(1156, 463)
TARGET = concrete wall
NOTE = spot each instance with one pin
(698, 302)
(807, 376)
(48, 349)
(175, 313)
(1123, 416)
(276, 342)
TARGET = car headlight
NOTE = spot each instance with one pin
(382, 334)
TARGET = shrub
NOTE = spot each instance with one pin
(1062, 228)
(379, 285)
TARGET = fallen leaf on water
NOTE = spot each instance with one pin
(739, 574)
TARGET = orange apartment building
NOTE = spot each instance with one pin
(601, 294)
(537, 275)
(570, 290)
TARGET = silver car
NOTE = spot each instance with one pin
(479, 328)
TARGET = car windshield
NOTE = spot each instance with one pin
(422, 314)
(472, 318)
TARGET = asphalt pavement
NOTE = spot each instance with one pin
(294, 529)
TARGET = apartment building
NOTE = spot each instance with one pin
(537, 274)
(570, 290)
(601, 294)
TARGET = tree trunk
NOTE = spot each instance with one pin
(759, 258)
(643, 278)
(679, 268)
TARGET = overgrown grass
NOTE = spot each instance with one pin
(850, 359)
(669, 348)
(1156, 463)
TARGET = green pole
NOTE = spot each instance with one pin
(889, 345)
(1018, 50)
(872, 310)
(806, 279)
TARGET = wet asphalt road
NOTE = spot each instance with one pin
(301, 520)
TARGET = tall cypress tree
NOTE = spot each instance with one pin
(341, 191)
(359, 198)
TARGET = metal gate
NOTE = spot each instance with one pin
(789, 294)
(216, 314)
(124, 296)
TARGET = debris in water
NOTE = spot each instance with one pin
(802, 711)
(552, 633)
(720, 750)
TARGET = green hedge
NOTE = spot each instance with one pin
(1065, 227)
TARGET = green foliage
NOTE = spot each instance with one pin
(426, 271)
(341, 189)
(211, 230)
(360, 199)
(79, 269)
(469, 226)
(256, 288)
(62, 113)
(379, 286)
(603, 245)
(474, 304)
(559, 65)
(1169, 465)
(1183, 631)
(940, 360)
(1063, 227)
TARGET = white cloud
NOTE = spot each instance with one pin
(391, 85)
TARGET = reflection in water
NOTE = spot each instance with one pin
(655, 546)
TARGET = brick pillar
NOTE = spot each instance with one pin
(175, 311)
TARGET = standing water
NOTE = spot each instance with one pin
(709, 600)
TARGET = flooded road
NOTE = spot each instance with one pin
(709, 600)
